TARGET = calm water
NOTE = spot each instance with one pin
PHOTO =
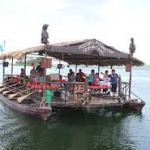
(79, 130)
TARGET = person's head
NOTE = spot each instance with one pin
(97, 74)
(80, 70)
(92, 71)
(22, 70)
(106, 72)
(113, 70)
(70, 70)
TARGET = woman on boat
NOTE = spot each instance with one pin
(96, 79)
(106, 81)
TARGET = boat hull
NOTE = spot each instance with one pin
(38, 112)
(134, 105)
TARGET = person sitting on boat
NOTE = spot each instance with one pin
(96, 79)
(91, 77)
(80, 76)
(114, 82)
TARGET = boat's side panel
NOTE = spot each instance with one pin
(134, 105)
(39, 112)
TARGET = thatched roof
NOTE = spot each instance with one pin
(88, 52)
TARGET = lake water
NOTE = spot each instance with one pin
(79, 130)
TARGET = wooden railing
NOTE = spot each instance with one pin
(77, 89)
(124, 90)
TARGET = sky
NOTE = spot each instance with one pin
(113, 22)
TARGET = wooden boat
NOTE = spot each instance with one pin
(86, 52)
(134, 104)
(28, 109)
(17, 96)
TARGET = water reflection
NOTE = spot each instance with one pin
(80, 130)
(70, 129)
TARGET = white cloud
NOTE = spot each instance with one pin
(112, 21)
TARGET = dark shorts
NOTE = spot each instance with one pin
(114, 87)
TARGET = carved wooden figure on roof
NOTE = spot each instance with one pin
(44, 34)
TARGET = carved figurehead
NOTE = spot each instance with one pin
(44, 34)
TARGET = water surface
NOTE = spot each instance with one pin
(80, 130)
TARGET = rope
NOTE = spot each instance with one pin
(136, 96)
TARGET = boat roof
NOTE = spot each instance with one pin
(87, 52)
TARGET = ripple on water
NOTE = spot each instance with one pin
(11, 129)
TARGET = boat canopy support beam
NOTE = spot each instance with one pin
(12, 64)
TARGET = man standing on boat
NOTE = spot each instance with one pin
(39, 68)
(114, 82)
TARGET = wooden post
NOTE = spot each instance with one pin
(75, 68)
(44, 40)
(132, 50)
(130, 77)
(3, 70)
(119, 86)
(59, 67)
(12, 61)
(98, 69)
(86, 90)
(25, 65)
(46, 47)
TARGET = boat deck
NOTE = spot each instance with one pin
(94, 103)
(71, 102)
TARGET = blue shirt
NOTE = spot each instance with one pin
(91, 78)
(113, 78)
